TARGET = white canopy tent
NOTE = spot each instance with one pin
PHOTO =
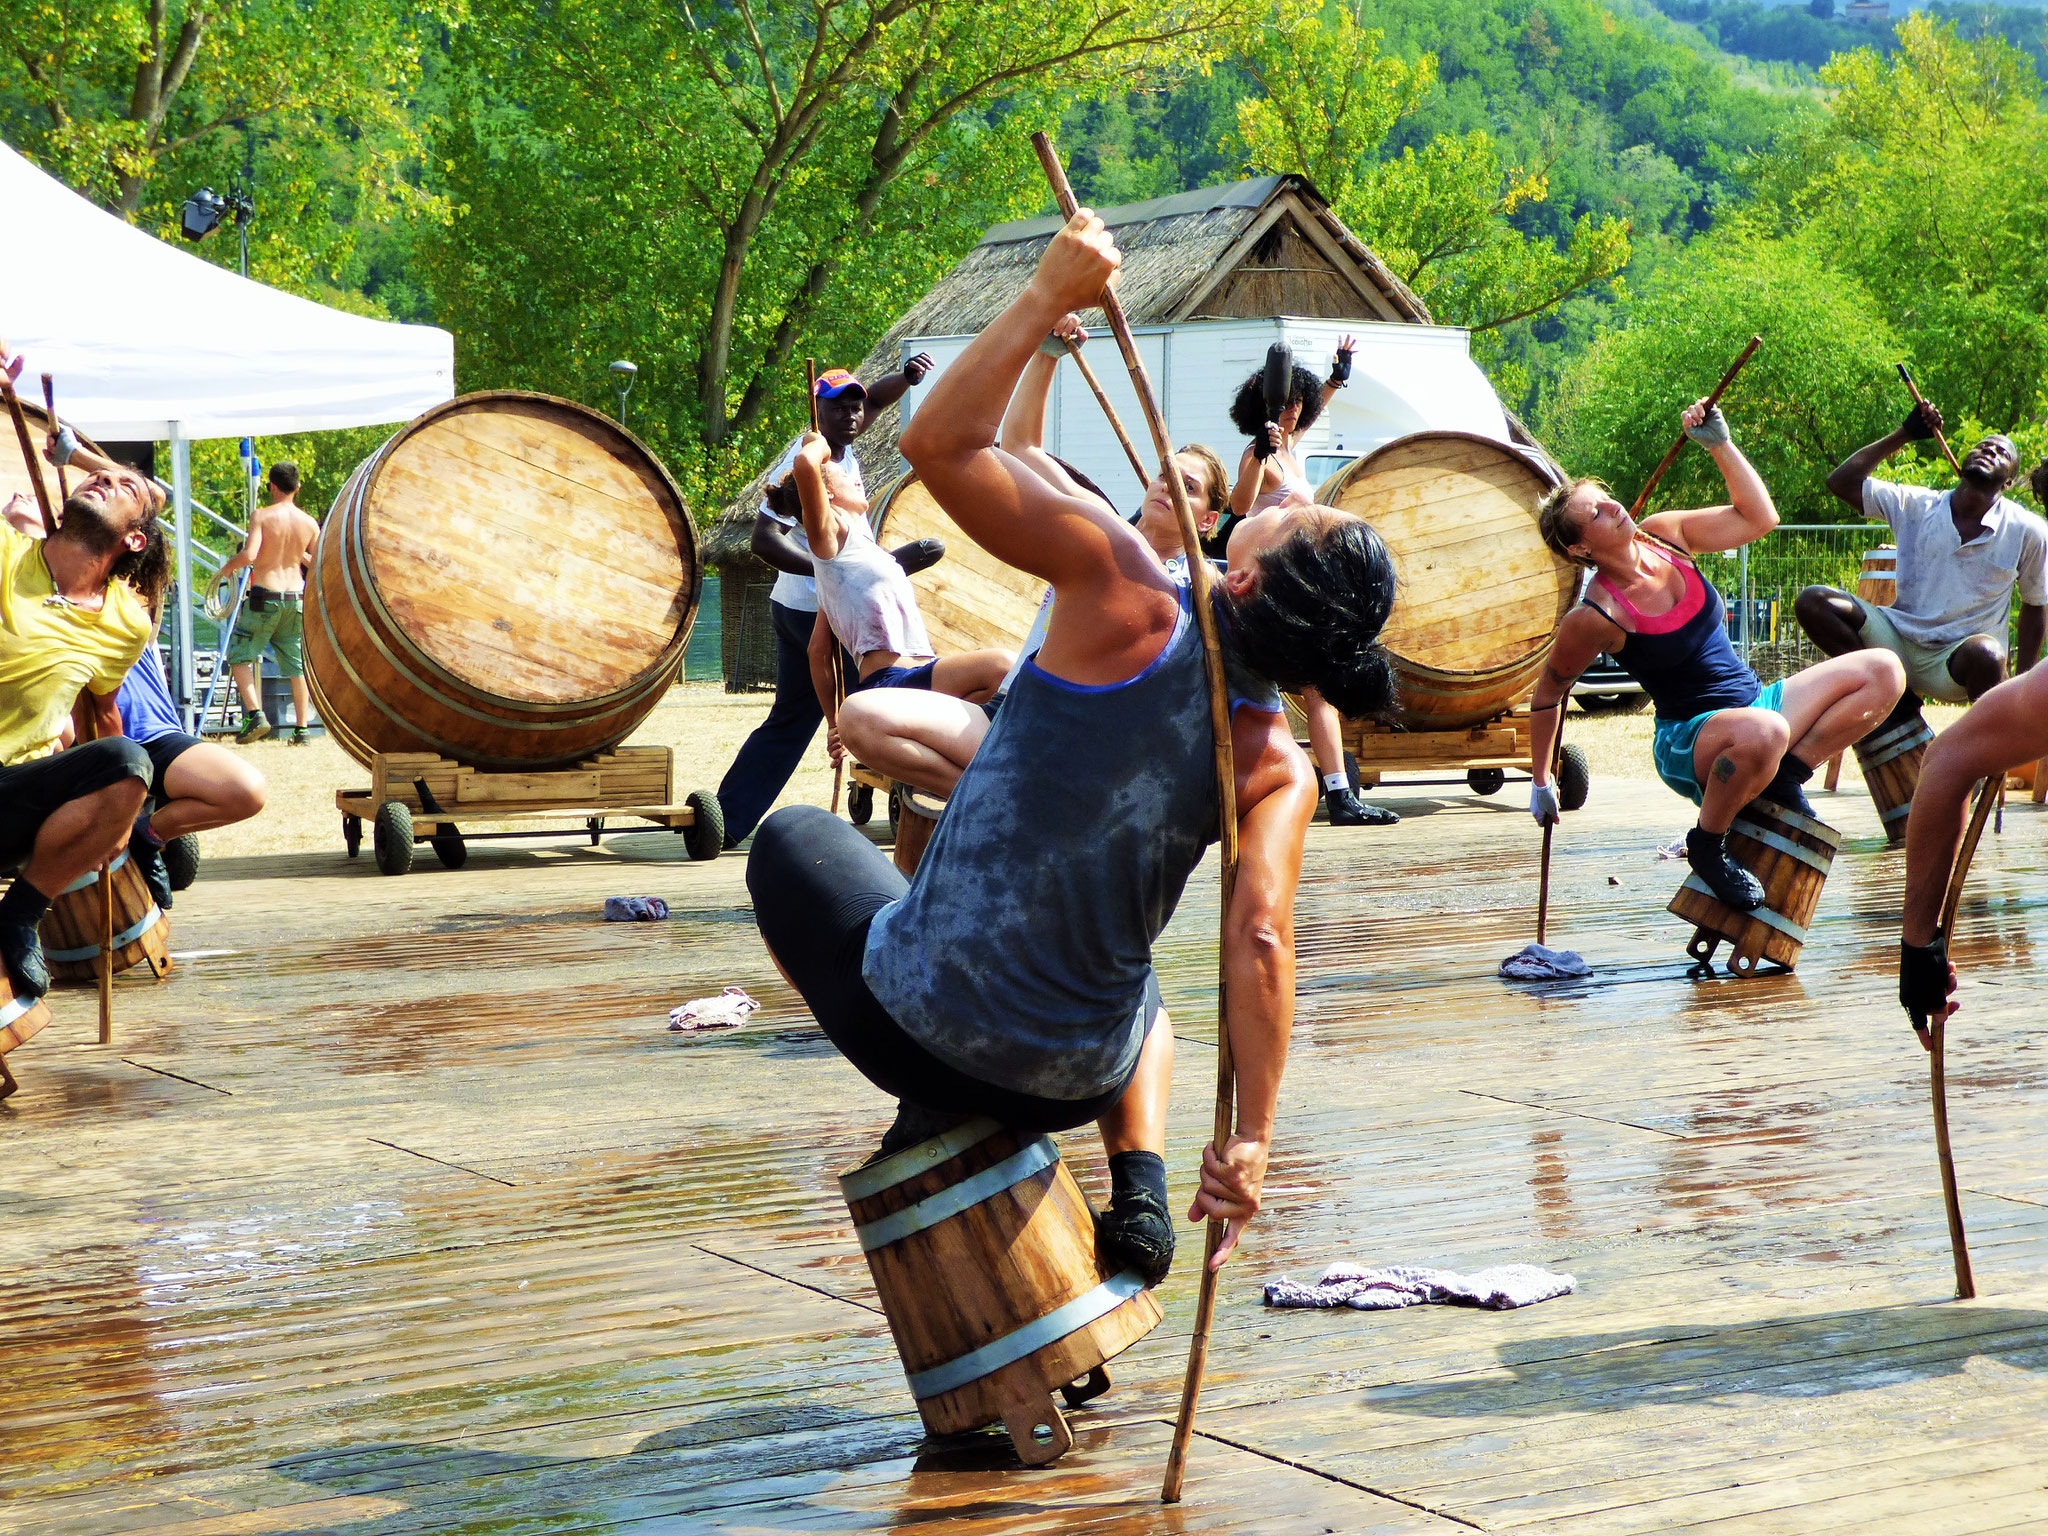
(146, 341)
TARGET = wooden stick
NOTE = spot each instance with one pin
(106, 965)
(1543, 889)
(1937, 1031)
(1920, 400)
(1671, 453)
(29, 454)
(1226, 803)
(1102, 399)
(50, 407)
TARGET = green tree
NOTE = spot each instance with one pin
(766, 177)
(1821, 385)
(1441, 216)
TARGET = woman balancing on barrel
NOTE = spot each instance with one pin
(1270, 479)
(1722, 739)
(1012, 976)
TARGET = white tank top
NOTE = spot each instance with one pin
(867, 599)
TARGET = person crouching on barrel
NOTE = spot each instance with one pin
(925, 739)
(1722, 739)
(2005, 729)
(1012, 976)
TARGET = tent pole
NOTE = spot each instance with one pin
(181, 505)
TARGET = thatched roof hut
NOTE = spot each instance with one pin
(1268, 246)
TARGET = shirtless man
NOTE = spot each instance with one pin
(276, 553)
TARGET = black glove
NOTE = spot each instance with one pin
(918, 367)
(1923, 979)
(1916, 428)
(919, 555)
(1340, 369)
(1262, 445)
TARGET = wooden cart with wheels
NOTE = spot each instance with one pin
(417, 797)
(1483, 753)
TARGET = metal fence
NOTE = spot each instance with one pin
(1760, 581)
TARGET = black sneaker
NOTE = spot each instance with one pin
(149, 863)
(1787, 787)
(1136, 1232)
(1347, 810)
(22, 953)
(1732, 885)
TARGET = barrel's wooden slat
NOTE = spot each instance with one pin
(970, 600)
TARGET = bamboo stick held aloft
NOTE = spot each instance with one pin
(1226, 799)
(30, 456)
(1102, 399)
(1906, 377)
(1671, 453)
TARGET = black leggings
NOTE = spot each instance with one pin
(817, 883)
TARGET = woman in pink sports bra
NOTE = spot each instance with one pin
(1722, 738)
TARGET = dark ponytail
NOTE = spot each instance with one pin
(1315, 618)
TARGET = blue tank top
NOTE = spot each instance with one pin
(147, 708)
(1691, 670)
(1021, 952)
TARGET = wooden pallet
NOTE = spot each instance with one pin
(632, 783)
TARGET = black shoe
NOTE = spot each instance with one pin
(22, 953)
(149, 863)
(914, 1123)
(1347, 810)
(1787, 787)
(1136, 1232)
(1732, 885)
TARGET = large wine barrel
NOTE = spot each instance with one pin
(509, 581)
(970, 599)
(1480, 593)
(1878, 584)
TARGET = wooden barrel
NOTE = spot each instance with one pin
(509, 582)
(1790, 855)
(1480, 594)
(983, 1250)
(1891, 760)
(70, 930)
(970, 600)
(917, 818)
(1879, 583)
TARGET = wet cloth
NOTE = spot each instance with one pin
(1949, 590)
(728, 1010)
(1539, 962)
(1022, 951)
(791, 590)
(634, 909)
(867, 599)
(1498, 1289)
(50, 648)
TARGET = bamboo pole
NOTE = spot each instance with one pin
(1906, 377)
(29, 454)
(50, 407)
(1202, 579)
(1937, 1030)
(1095, 385)
(1671, 453)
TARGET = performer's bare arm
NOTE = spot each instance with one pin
(1750, 515)
(1845, 481)
(1023, 430)
(819, 653)
(1276, 797)
(1581, 638)
(1251, 476)
(773, 547)
(821, 522)
(1123, 606)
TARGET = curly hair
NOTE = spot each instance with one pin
(1314, 620)
(1248, 410)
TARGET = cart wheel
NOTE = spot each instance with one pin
(1574, 777)
(391, 837)
(860, 804)
(449, 848)
(1351, 770)
(705, 836)
(595, 826)
(181, 861)
(895, 808)
(352, 834)
(1485, 781)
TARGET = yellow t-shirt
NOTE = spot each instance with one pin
(48, 651)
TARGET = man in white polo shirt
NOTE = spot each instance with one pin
(770, 754)
(1961, 553)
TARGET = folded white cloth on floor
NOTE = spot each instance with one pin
(728, 1010)
(634, 909)
(1539, 962)
(1499, 1289)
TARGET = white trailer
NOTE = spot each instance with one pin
(1404, 378)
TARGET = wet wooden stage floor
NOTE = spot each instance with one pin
(398, 1209)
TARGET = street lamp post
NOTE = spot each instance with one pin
(623, 374)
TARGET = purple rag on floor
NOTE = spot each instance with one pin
(634, 909)
(1499, 1289)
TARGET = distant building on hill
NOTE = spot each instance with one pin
(1872, 13)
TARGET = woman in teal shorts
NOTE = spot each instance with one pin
(1722, 738)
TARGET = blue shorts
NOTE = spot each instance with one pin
(1672, 745)
(896, 677)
